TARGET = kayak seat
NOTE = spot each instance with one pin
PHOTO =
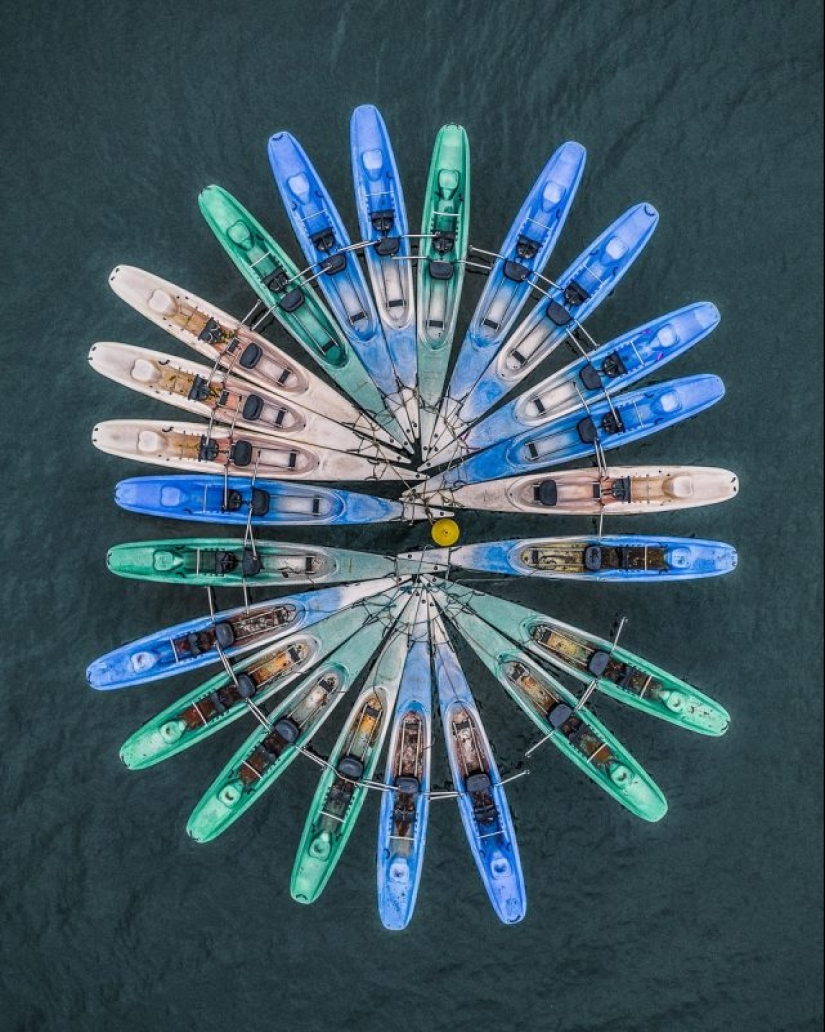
(250, 356)
(252, 407)
(292, 300)
(547, 493)
(575, 294)
(598, 663)
(277, 280)
(587, 430)
(334, 264)
(479, 782)
(325, 240)
(443, 242)
(612, 423)
(440, 270)
(234, 500)
(622, 489)
(225, 562)
(526, 248)
(382, 221)
(199, 391)
(211, 333)
(217, 702)
(250, 563)
(207, 449)
(516, 272)
(407, 785)
(589, 376)
(241, 453)
(559, 714)
(558, 314)
(287, 729)
(246, 686)
(260, 502)
(224, 634)
(613, 365)
(351, 767)
(388, 246)
(593, 558)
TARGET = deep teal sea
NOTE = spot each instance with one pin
(114, 115)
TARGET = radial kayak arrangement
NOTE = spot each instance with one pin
(264, 442)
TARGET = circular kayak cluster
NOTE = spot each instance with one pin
(394, 393)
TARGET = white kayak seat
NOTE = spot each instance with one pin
(162, 303)
(241, 235)
(615, 248)
(150, 442)
(678, 486)
(145, 371)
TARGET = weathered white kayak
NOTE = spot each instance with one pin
(624, 490)
(223, 339)
(188, 446)
(227, 399)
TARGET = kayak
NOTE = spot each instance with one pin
(619, 491)
(253, 681)
(334, 265)
(382, 219)
(215, 449)
(343, 786)
(287, 295)
(591, 278)
(513, 276)
(231, 562)
(206, 639)
(557, 713)
(260, 502)
(289, 727)
(482, 802)
(445, 225)
(405, 807)
(232, 345)
(606, 371)
(226, 399)
(625, 557)
(616, 671)
(607, 425)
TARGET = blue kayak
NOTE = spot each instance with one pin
(260, 503)
(524, 253)
(402, 827)
(581, 288)
(608, 424)
(382, 219)
(623, 557)
(482, 802)
(196, 643)
(328, 251)
(609, 369)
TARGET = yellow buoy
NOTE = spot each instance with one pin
(445, 532)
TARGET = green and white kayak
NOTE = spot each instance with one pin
(278, 283)
(267, 753)
(232, 562)
(575, 731)
(442, 253)
(342, 788)
(224, 697)
(614, 670)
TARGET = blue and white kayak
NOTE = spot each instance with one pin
(482, 802)
(581, 288)
(196, 643)
(329, 251)
(382, 219)
(609, 369)
(624, 557)
(608, 424)
(260, 503)
(402, 827)
(524, 253)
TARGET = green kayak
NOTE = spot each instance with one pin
(615, 671)
(342, 790)
(554, 710)
(277, 281)
(442, 253)
(228, 562)
(270, 749)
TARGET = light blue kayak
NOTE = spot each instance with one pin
(382, 219)
(608, 425)
(482, 802)
(609, 369)
(260, 503)
(405, 808)
(328, 249)
(622, 557)
(581, 288)
(196, 643)
(524, 253)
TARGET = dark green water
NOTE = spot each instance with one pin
(113, 117)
